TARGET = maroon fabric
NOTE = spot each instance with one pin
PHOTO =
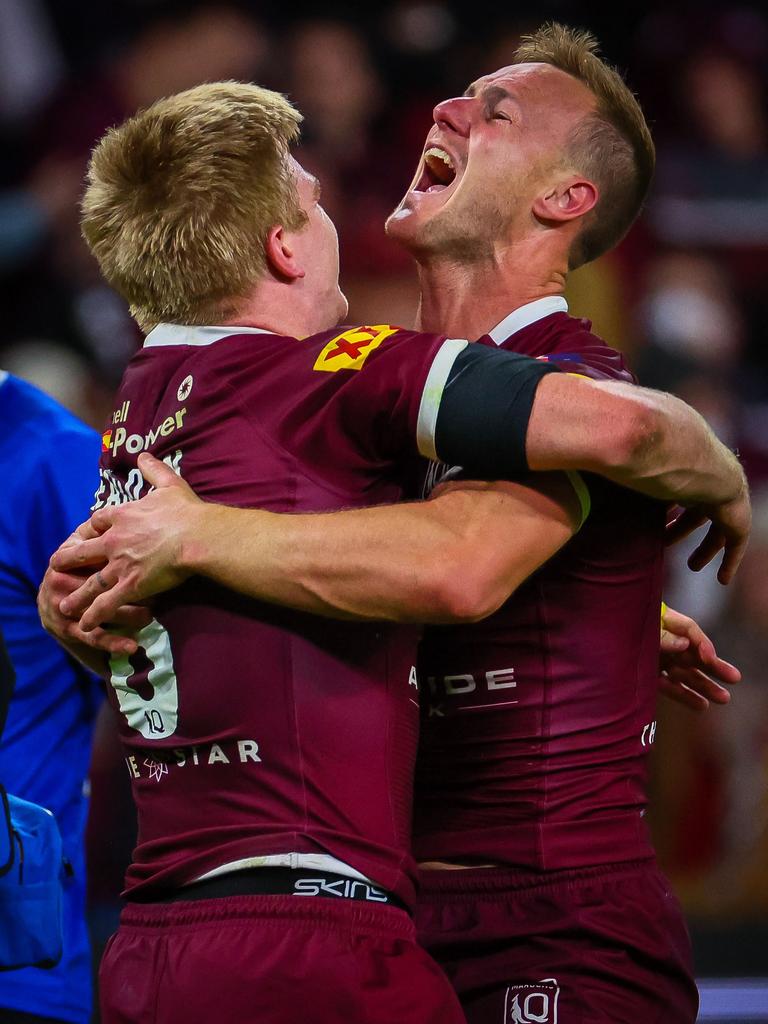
(537, 722)
(600, 946)
(292, 733)
(271, 960)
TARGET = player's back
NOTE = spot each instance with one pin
(252, 730)
(537, 721)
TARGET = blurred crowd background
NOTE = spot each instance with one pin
(686, 294)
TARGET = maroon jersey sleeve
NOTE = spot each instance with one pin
(359, 396)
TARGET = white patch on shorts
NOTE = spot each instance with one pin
(534, 1003)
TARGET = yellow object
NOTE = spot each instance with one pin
(348, 351)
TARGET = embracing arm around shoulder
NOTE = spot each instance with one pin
(650, 442)
(646, 440)
(456, 557)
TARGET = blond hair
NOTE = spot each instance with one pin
(181, 196)
(612, 145)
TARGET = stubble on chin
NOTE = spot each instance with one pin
(466, 237)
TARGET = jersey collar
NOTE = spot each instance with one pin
(526, 315)
(181, 334)
(3, 377)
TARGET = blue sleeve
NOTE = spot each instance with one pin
(63, 489)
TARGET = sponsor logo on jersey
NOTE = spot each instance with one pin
(648, 734)
(345, 888)
(348, 351)
(480, 689)
(230, 752)
(532, 1004)
(113, 441)
(121, 415)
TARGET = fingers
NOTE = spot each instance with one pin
(734, 553)
(699, 682)
(157, 472)
(80, 555)
(132, 617)
(84, 531)
(693, 689)
(76, 603)
(713, 542)
(721, 670)
(682, 695)
(685, 524)
(104, 640)
(671, 643)
(105, 607)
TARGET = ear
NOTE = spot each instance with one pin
(281, 256)
(569, 199)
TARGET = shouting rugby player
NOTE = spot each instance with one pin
(463, 142)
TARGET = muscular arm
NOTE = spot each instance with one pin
(649, 441)
(491, 409)
(454, 558)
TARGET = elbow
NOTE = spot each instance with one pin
(461, 592)
(636, 431)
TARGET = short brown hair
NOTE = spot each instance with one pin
(613, 145)
(180, 198)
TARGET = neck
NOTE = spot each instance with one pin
(283, 310)
(467, 300)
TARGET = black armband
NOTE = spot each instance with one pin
(484, 411)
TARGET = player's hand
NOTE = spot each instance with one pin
(57, 586)
(692, 674)
(730, 524)
(135, 548)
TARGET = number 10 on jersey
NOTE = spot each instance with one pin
(156, 718)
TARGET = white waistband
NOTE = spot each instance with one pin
(313, 861)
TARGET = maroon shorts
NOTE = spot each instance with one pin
(271, 960)
(585, 947)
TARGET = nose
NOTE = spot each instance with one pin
(454, 114)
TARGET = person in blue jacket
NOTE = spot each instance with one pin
(48, 477)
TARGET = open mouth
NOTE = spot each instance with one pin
(439, 171)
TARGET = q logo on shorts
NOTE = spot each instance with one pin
(534, 1003)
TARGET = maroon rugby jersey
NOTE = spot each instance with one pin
(537, 722)
(252, 730)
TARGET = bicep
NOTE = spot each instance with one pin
(515, 526)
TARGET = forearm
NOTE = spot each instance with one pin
(645, 440)
(452, 559)
(680, 459)
(370, 564)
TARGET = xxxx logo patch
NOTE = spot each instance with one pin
(348, 351)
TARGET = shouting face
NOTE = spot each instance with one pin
(489, 156)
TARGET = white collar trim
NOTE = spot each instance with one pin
(3, 377)
(180, 334)
(526, 315)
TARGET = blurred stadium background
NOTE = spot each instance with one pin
(686, 296)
